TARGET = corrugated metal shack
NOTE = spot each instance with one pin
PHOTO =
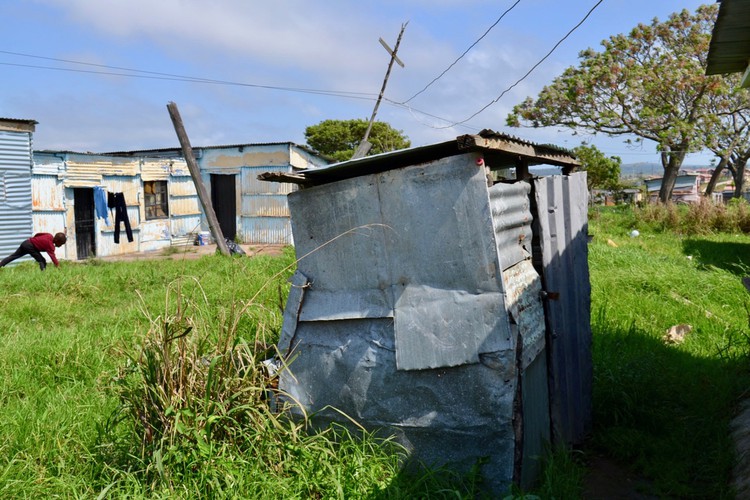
(161, 202)
(15, 182)
(443, 296)
(686, 189)
(255, 212)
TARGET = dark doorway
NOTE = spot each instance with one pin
(83, 211)
(223, 196)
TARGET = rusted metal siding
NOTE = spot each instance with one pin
(264, 210)
(15, 189)
(266, 230)
(155, 170)
(87, 171)
(511, 216)
(563, 251)
(264, 205)
(251, 185)
(230, 160)
(47, 193)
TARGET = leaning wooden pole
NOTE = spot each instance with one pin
(187, 152)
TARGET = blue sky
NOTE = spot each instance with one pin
(265, 58)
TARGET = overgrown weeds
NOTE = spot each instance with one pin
(705, 217)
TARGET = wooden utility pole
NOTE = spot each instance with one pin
(187, 152)
(364, 146)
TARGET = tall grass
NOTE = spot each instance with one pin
(664, 409)
(145, 380)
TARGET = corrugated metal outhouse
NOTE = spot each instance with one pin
(442, 295)
(15, 182)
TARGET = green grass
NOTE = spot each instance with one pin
(659, 408)
(77, 343)
(143, 380)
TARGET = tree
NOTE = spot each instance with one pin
(602, 172)
(650, 83)
(339, 139)
(728, 132)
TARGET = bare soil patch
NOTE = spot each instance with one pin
(194, 252)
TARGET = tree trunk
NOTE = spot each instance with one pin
(715, 176)
(739, 181)
(671, 161)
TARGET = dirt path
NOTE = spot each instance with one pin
(193, 252)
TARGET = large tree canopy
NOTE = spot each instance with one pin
(650, 83)
(339, 139)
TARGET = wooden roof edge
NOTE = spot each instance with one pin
(535, 152)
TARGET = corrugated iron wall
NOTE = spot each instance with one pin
(562, 217)
(264, 212)
(15, 190)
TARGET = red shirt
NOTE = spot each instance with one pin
(44, 242)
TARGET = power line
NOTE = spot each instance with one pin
(155, 75)
(465, 52)
(531, 70)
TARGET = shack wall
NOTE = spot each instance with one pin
(397, 315)
(15, 189)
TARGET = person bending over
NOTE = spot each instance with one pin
(40, 242)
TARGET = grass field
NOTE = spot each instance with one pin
(661, 408)
(85, 345)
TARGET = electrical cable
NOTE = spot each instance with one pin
(528, 72)
(465, 52)
(155, 75)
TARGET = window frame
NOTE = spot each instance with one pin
(157, 200)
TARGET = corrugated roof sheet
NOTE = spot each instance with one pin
(172, 150)
(502, 151)
(19, 120)
(729, 51)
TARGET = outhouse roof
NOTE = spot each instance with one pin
(729, 50)
(500, 151)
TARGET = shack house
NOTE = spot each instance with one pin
(437, 304)
(686, 189)
(160, 200)
(247, 209)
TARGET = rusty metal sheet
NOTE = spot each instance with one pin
(185, 225)
(523, 288)
(252, 185)
(47, 193)
(511, 217)
(268, 230)
(155, 230)
(264, 205)
(155, 170)
(182, 186)
(184, 206)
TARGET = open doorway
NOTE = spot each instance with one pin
(223, 199)
(83, 211)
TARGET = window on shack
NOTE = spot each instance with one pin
(155, 199)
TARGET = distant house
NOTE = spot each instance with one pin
(160, 197)
(686, 189)
(247, 209)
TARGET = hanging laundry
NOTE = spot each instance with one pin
(100, 204)
(117, 201)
